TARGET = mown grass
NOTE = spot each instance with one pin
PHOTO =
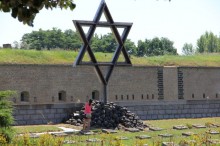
(12, 56)
(167, 125)
(35, 129)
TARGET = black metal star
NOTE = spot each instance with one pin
(86, 38)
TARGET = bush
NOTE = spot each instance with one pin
(6, 118)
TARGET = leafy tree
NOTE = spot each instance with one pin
(6, 118)
(208, 42)
(26, 10)
(130, 47)
(55, 39)
(155, 47)
(72, 40)
(188, 49)
(107, 43)
(142, 47)
(51, 39)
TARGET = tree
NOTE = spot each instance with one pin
(107, 43)
(26, 10)
(155, 47)
(142, 47)
(51, 39)
(72, 40)
(130, 47)
(188, 49)
(6, 118)
(208, 42)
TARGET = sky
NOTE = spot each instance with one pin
(181, 21)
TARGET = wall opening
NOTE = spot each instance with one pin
(62, 96)
(122, 97)
(203, 95)
(147, 96)
(193, 96)
(24, 96)
(133, 96)
(116, 97)
(35, 99)
(216, 96)
(142, 96)
(95, 95)
(127, 97)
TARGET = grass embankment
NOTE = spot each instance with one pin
(11, 56)
(155, 140)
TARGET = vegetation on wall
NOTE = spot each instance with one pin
(12, 56)
(70, 40)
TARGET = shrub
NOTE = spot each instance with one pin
(6, 118)
(189, 125)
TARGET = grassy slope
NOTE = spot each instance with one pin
(10, 56)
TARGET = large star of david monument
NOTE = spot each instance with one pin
(86, 38)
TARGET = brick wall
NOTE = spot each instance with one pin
(55, 89)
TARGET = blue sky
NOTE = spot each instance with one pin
(182, 21)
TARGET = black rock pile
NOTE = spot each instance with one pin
(109, 116)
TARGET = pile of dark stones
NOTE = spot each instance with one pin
(109, 116)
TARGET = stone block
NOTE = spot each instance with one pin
(198, 126)
(26, 117)
(180, 127)
(19, 117)
(60, 111)
(188, 133)
(50, 116)
(154, 117)
(109, 131)
(165, 135)
(30, 112)
(161, 112)
(155, 129)
(143, 137)
(160, 116)
(93, 140)
(22, 112)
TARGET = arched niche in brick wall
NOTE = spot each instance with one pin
(62, 95)
(95, 95)
(24, 96)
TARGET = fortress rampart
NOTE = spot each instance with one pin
(50, 92)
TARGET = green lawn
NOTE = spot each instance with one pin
(36, 129)
(167, 126)
(12, 56)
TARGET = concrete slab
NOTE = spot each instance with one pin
(132, 129)
(198, 126)
(155, 129)
(214, 141)
(93, 140)
(180, 127)
(143, 137)
(109, 131)
(212, 132)
(86, 132)
(121, 138)
(166, 135)
(68, 142)
(169, 144)
(188, 133)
